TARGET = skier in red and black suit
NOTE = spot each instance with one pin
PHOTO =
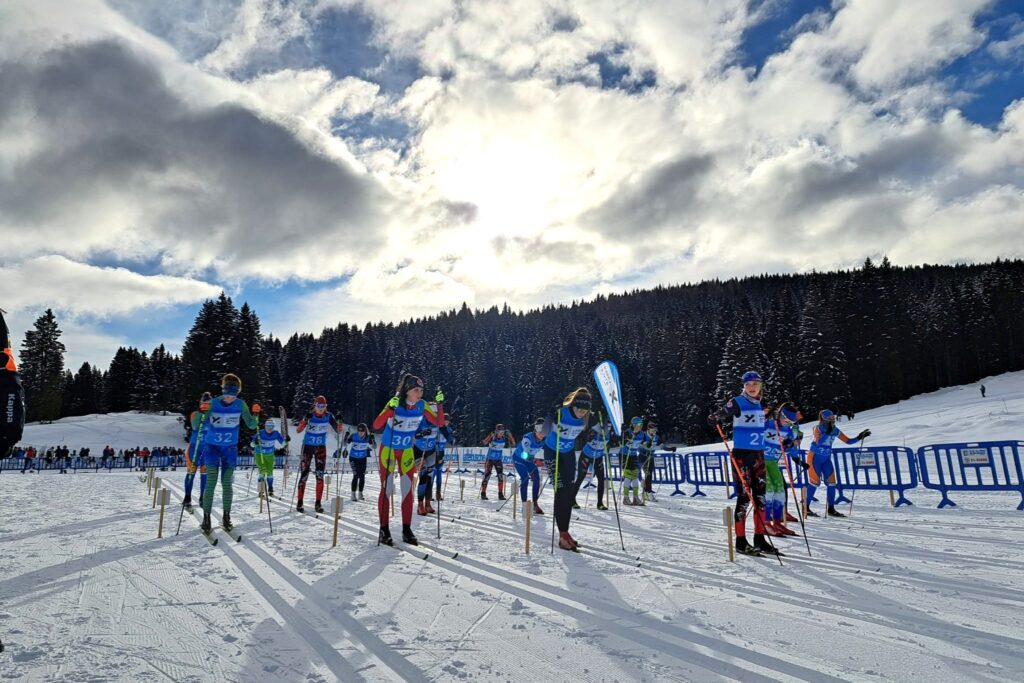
(314, 446)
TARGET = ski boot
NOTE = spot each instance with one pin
(270, 492)
(575, 505)
(384, 537)
(832, 512)
(812, 513)
(501, 495)
(771, 529)
(537, 509)
(761, 544)
(408, 536)
(483, 495)
(602, 506)
(361, 495)
(421, 509)
(318, 507)
(786, 531)
(652, 496)
(299, 507)
(637, 500)
(567, 542)
(791, 518)
(353, 496)
(745, 548)
(188, 503)
(207, 525)
(439, 496)
(626, 499)
(226, 522)
(430, 508)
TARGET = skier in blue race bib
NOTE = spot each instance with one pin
(317, 425)
(359, 444)
(633, 439)
(400, 419)
(819, 459)
(220, 452)
(426, 450)
(524, 459)
(593, 452)
(650, 443)
(496, 442)
(265, 444)
(563, 427)
(746, 415)
(445, 438)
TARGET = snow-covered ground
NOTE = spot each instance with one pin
(87, 593)
(119, 430)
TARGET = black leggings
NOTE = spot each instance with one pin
(496, 465)
(581, 474)
(751, 464)
(564, 489)
(358, 473)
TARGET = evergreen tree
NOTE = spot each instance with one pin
(120, 381)
(822, 376)
(42, 369)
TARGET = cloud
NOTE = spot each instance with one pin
(60, 283)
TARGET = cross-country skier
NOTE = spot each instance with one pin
(220, 452)
(792, 454)
(265, 443)
(629, 458)
(314, 447)
(820, 459)
(194, 457)
(524, 459)
(496, 441)
(445, 437)
(650, 443)
(779, 435)
(563, 427)
(747, 416)
(359, 444)
(593, 452)
(400, 420)
(425, 450)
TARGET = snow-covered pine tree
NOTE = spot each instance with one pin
(42, 368)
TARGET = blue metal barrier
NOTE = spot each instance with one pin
(666, 468)
(709, 468)
(983, 466)
(877, 468)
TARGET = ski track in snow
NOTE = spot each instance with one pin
(87, 593)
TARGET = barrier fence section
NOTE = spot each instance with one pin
(874, 468)
(708, 468)
(667, 468)
(981, 466)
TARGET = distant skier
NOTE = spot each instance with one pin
(629, 458)
(819, 459)
(778, 436)
(314, 448)
(566, 421)
(593, 452)
(220, 452)
(650, 443)
(359, 443)
(982, 387)
(193, 454)
(791, 452)
(265, 444)
(496, 442)
(401, 419)
(747, 416)
(524, 459)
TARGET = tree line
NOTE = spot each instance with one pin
(847, 340)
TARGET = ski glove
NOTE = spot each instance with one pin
(863, 435)
(439, 396)
(713, 420)
(255, 410)
(393, 402)
(802, 463)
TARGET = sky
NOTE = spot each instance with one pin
(351, 161)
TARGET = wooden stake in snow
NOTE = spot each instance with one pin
(327, 484)
(263, 486)
(727, 517)
(156, 489)
(165, 498)
(892, 500)
(462, 491)
(529, 518)
(337, 516)
(515, 490)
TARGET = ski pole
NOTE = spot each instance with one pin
(199, 440)
(746, 487)
(854, 491)
(792, 488)
(554, 507)
(608, 467)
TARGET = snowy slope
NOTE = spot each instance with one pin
(87, 593)
(119, 430)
